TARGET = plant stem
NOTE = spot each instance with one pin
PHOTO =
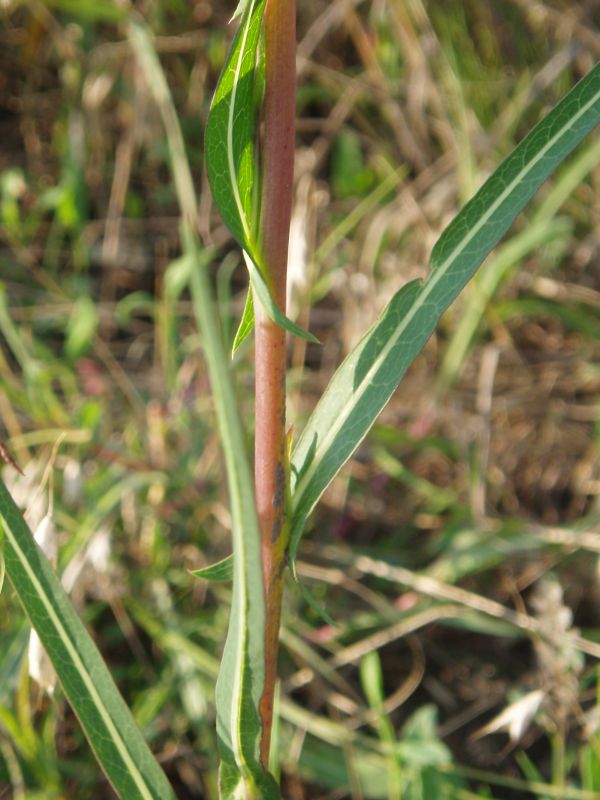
(270, 470)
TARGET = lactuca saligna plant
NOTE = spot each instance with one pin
(258, 80)
(259, 213)
(269, 518)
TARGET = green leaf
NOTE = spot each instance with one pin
(90, 10)
(177, 278)
(371, 679)
(241, 677)
(134, 302)
(246, 323)
(221, 571)
(230, 131)
(261, 291)
(246, 326)
(506, 258)
(350, 176)
(319, 608)
(2, 562)
(230, 141)
(369, 375)
(106, 721)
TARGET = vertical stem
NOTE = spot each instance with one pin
(270, 469)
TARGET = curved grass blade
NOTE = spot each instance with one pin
(106, 721)
(220, 571)
(369, 375)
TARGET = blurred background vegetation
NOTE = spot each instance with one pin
(481, 477)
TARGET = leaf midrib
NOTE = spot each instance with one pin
(241, 640)
(240, 612)
(231, 124)
(79, 665)
(424, 293)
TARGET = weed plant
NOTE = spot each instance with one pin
(439, 633)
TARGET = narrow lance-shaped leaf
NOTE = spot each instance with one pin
(241, 677)
(219, 571)
(230, 162)
(230, 141)
(261, 291)
(230, 131)
(106, 721)
(369, 375)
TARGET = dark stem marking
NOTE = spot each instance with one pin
(4, 452)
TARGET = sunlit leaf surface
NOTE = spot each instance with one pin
(106, 721)
(367, 378)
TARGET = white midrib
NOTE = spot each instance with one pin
(427, 289)
(239, 567)
(240, 555)
(79, 666)
(241, 638)
(230, 121)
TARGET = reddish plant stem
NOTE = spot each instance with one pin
(270, 350)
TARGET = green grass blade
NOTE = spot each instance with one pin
(219, 571)
(241, 677)
(106, 721)
(89, 10)
(366, 379)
